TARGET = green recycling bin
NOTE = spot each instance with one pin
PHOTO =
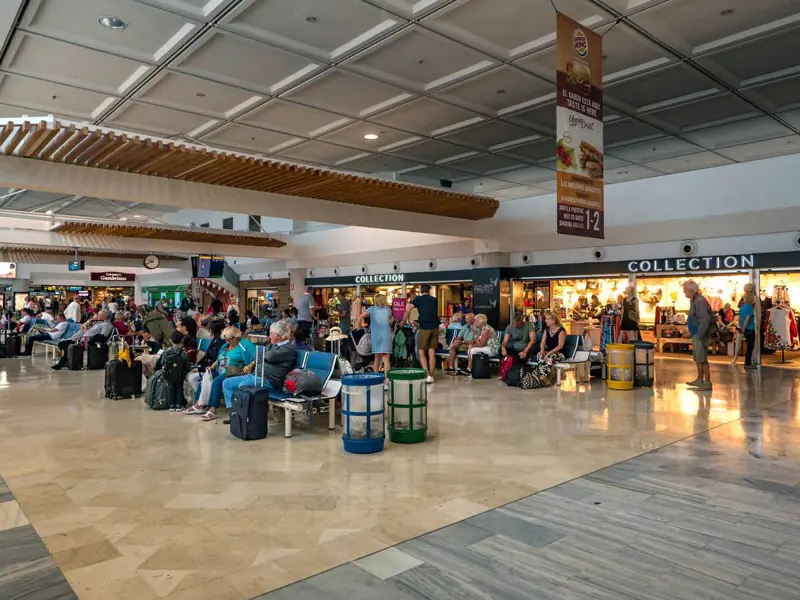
(408, 406)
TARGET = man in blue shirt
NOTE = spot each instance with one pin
(428, 334)
(747, 326)
(463, 342)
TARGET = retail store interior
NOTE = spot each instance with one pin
(573, 226)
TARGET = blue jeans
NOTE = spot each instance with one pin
(234, 383)
(216, 390)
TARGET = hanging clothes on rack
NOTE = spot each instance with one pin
(781, 329)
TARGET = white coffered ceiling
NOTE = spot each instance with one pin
(454, 89)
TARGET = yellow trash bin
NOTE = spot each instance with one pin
(620, 366)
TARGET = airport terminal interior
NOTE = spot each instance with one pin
(399, 299)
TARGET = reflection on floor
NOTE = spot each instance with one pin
(135, 504)
(713, 516)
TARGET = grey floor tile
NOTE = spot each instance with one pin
(5, 493)
(770, 588)
(20, 545)
(503, 523)
(428, 583)
(347, 582)
(387, 563)
(27, 570)
(460, 534)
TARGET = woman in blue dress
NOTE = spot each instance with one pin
(380, 318)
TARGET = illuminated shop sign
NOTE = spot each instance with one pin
(694, 263)
(385, 278)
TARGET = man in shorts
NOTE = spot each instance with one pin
(702, 324)
(428, 333)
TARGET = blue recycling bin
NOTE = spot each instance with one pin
(363, 412)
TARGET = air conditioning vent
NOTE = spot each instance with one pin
(475, 261)
(598, 253)
(336, 270)
(526, 259)
(364, 269)
(432, 264)
(396, 268)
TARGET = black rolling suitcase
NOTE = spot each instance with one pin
(250, 407)
(12, 344)
(96, 355)
(75, 357)
(480, 366)
(123, 381)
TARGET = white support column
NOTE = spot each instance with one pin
(297, 284)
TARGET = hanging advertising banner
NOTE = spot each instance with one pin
(579, 119)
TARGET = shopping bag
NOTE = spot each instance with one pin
(205, 388)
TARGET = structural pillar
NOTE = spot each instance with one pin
(297, 284)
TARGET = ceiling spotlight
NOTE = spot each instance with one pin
(48, 212)
(123, 218)
(371, 136)
(112, 22)
(312, 19)
(727, 12)
(138, 216)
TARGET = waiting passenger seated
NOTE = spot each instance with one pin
(301, 341)
(52, 334)
(280, 357)
(100, 328)
(463, 342)
(27, 321)
(255, 326)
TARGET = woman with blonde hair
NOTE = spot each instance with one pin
(380, 319)
(747, 327)
(554, 338)
(486, 340)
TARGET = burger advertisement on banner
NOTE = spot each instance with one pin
(579, 119)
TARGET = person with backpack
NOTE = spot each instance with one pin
(175, 365)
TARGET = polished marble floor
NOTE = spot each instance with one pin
(135, 504)
(712, 517)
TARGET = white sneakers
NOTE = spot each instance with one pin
(429, 379)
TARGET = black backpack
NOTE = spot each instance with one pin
(175, 364)
(514, 376)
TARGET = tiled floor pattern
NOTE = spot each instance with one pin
(142, 505)
(26, 568)
(711, 517)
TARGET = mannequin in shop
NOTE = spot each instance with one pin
(781, 331)
(629, 327)
(355, 311)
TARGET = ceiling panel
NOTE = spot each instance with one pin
(482, 185)
(46, 96)
(139, 116)
(517, 192)
(202, 10)
(219, 55)
(765, 149)
(661, 88)
(347, 93)
(419, 59)
(53, 60)
(783, 94)
(541, 118)
(629, 173)
(353, 136)
(628, 131)
(742, 132)
(490, 134)
(756, 59)
(690, 162)
(288, 117)
(424, 116)
(485, 164)
(654, 150)
(498, 90)
(715, 109)
(319, 153)
(380, 163)
(202, 96)
(430, 151)
(150, 34)
(532, 151)
(323, 29)
(528, 175)
(432, 175)
(510, 28)
(692, 27)
(249, 139)
(411, 8)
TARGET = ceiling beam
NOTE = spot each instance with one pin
(128, 187)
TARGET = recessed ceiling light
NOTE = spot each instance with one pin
(727, 12)
(112, 22)
(371, 136)
(138, 216)
(312, 19)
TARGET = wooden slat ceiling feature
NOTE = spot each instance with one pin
(70, 252)
(183, 234)
(91, 146)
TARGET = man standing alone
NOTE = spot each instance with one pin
(428, 334)
(305, 310)
(702, 324)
